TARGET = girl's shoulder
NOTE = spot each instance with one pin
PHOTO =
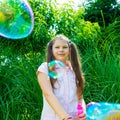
(44, 64)
(43, 68)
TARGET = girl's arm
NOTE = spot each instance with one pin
(50, 97)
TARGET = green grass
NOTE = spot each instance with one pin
(20, 94)
(102, 75)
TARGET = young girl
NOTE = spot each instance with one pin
(62, 95)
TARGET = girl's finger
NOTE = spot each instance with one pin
(81, 115)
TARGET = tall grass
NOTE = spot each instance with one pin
(20, 94)
(101, 65)
(102, 75)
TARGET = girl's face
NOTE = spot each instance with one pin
(61, 50)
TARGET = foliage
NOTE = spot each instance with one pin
(87, 35)
(71, 23)
(103, 12)
(112, 38)
(64, 19)
(43, 17)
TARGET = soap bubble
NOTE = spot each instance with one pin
(56, 69)
(16, 19)
(102, 111)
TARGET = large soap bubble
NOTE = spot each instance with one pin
(16, 19)
(56, 69)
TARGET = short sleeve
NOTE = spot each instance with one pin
(43, 68)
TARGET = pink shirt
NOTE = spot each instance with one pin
(65, 92)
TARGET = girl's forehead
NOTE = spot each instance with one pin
(60, 41)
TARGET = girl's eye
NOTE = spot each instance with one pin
(65, 47)
(56, 47)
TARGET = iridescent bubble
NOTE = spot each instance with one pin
(16, 19)
(92, 110)
(112, 115)
(56, 69)
(102, 111)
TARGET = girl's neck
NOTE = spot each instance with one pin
(67, 63)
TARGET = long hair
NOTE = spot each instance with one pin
(74, 59)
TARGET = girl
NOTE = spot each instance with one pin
(62, 95)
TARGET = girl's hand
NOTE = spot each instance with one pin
(81, 116)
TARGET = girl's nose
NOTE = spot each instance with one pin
(61, 49)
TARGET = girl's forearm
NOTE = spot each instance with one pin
(56, 106)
